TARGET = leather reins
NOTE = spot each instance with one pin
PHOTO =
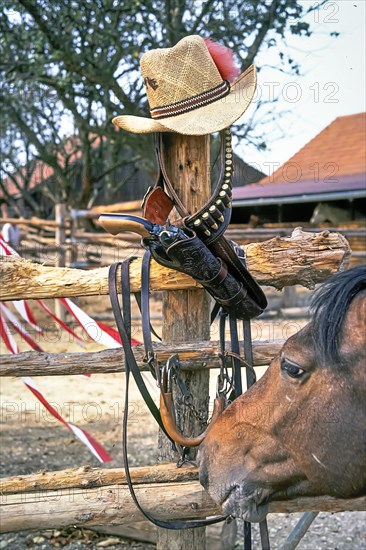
(123, 321)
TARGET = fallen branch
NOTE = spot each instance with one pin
(304, 258)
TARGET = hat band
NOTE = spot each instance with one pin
(192, 103)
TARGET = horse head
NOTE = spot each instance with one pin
(300, 430)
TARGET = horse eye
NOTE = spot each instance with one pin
(291, 369)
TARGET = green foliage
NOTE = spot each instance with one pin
(75, 64)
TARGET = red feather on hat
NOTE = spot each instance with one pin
(224, 60)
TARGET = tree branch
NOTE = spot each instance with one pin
(261, 34)
(73, 61)
(10, 200)
(23, 191)
(206, 7)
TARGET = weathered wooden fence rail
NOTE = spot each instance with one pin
(304, 258)
(192, 356)
(87, 497)
(91, 497)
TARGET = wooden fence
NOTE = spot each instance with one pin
(87, 249)
(91, 496)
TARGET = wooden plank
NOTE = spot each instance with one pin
(127, 206)
(86, 477)
(303, 258)
(197, 355)
(111, 504)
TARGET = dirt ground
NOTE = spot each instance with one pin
(32, 441)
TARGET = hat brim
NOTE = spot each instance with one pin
(204, 120)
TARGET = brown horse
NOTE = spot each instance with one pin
(300, 430)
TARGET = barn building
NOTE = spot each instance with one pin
(324, 182)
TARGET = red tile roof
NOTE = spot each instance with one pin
(40, 173)
(339, 150)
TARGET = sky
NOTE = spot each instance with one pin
(332, 82)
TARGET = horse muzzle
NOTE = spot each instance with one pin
(233, 490)
(247, 503)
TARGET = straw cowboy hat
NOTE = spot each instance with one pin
(188, 92)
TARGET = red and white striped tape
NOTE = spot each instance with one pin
(89, 325)
(8, 320)
(24, 311)
(63, 325)
(7, 336)
(6, 249)
(96, 448)
(20, 330)
(97, 331)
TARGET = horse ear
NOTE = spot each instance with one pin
(354, 328)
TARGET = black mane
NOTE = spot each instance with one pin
(329, 306)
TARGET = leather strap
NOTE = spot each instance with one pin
(236, 350)
(124, 329)
(130, 361)
(250, 378)
(219, 277)
(145, 312)
(138, 301)
(223, 249)
(164, 180)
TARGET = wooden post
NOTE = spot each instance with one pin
(4, 210)
(74, 222)
(60, 238)
(289, 297)
(186, 313)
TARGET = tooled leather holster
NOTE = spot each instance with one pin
(196, 244)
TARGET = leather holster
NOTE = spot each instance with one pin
(192, 257)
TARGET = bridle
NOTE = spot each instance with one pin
(209, 224)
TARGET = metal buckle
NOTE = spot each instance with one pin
(167, 372)
(224, 382)
(150, 359)
(244, 363)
